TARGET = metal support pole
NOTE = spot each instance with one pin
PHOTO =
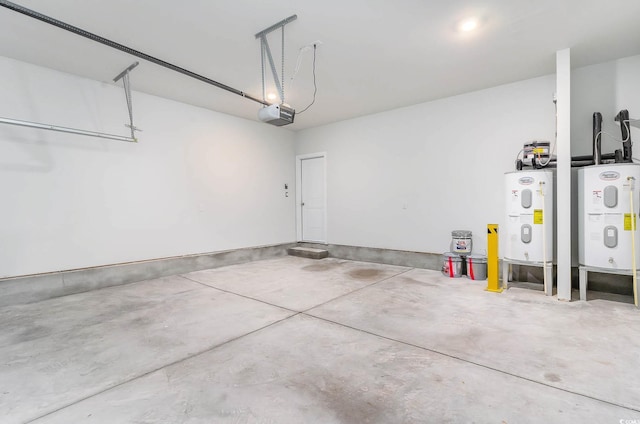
(263, 74)
(124, 75)
(563, 176)
(632, 218)
(493, 277)
(267, 50)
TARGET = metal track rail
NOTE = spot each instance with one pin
(79, 31)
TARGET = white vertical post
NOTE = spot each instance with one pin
(563, 151)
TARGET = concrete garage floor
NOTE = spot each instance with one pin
(294, 340)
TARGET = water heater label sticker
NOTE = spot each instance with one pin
(597, 197)
(537, 216)
(609, 175)
(627, 221)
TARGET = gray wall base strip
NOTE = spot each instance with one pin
(35, 288)
(383, 256)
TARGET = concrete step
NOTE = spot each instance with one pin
(308, 252)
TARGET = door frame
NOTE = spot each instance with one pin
(299, 160)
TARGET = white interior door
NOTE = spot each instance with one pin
(312, 198)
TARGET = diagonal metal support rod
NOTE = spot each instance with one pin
(266, 50)
(79, 31)
(124, 76)
(274, 72)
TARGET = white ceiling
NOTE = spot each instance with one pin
(376, 54)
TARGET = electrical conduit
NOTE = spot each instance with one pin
(633, 241)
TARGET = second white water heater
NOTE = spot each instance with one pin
(607, 216)
(529, 216)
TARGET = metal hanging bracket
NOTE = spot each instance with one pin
(124, 76)
(266, 51)
(57, 128)
(81, 32)
(276, 26)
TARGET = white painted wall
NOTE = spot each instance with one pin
(606, 88)
(406, 178)
(628, 92)
(198, 181)
(201, 181)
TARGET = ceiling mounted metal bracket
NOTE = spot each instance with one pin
(81, 32)
(274, 27)
(266, 51)
(68, 130)
(124, 76)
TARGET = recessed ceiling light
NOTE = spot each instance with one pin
(468, 25)
(272, 96)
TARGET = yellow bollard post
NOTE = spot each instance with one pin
(493, 280)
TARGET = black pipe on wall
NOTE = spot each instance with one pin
(623, 117)
(597, 137)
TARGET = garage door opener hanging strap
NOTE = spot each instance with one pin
(124, 75)
(265, 51)
(81, 32)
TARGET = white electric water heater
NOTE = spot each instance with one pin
(607, 215)
(529, 216)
